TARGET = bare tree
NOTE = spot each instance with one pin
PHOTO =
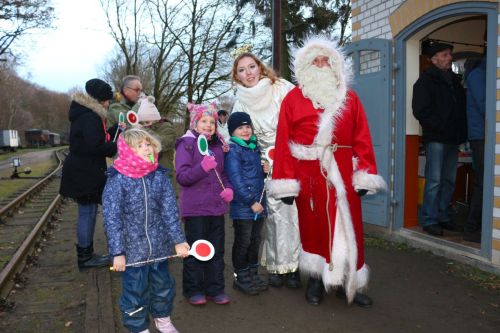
(185, 46)
(17, 18)
(124, 17)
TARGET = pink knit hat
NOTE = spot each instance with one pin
(147, 109)
(199, 110)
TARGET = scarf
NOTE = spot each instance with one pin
(130, 164)
(257, 98)
(251, 144)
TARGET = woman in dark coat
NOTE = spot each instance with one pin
(83, 175)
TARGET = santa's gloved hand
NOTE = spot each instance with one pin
(288, 200)
(227, 194)
(361, 192)
(208, 163)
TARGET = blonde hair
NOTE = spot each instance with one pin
(264, 70)
(134, 136)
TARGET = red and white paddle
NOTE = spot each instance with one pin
(132, 118)
(201, 249)
(269, 153)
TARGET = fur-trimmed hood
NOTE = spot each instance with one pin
(90, 103)
(303, 69)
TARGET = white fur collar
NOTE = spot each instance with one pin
(256, 98)
(91, 103)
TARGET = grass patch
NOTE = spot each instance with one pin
(11, 186)
(21, 151)
(481, 278)
(386, 245)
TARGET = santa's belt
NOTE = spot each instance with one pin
(313, 152)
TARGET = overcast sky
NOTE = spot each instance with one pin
(73, 52)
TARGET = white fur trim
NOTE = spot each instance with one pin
(362, 180)
(341, 73)
(302, 152)
(91, 103)
(314, 265)
(282, 188)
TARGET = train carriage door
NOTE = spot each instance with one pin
(371, 60)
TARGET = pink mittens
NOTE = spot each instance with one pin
(227, 195)
(208, 163)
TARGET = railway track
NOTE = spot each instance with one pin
(23, 224)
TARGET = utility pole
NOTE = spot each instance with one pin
(276, 35)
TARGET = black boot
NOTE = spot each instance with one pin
(275, 280)
(260, 285)
(314, 292)
(87, 258)
(292, 280)
(360, 300)
(244, 283)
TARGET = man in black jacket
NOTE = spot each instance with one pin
(439, 105)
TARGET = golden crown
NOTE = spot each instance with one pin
(245, 48)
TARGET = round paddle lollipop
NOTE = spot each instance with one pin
(203, 145)
(202, 250)
(121, 119)
(269, 153)
(132, 118)
(203, 149)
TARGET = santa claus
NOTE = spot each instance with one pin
(324, 160)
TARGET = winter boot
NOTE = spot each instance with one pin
(360, 299)
(314, 292)
(88, 259)
(244, 283)
(292, 280)
(275, 279)
(260, 285)
(164, 325)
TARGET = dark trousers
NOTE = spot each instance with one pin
(204, 277)
(146, 290)
(475, 217)
(247, 238)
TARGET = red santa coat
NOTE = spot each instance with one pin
(330, 222)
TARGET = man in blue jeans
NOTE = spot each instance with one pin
(439, 105)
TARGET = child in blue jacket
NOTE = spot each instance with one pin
(247, 209)
(142, 226)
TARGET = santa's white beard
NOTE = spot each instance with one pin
(321, 86)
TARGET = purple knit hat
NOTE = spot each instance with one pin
(199, 110)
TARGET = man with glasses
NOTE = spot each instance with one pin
(130, 92)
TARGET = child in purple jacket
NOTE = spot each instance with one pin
(204, 196)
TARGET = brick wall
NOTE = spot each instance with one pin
(385, 19)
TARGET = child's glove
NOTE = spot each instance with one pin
(208, 163)
(227, 194)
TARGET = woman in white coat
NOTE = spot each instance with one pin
(259, 92)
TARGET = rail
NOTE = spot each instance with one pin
(19, 200)
(17, 262)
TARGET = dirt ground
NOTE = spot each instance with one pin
(413, 291)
